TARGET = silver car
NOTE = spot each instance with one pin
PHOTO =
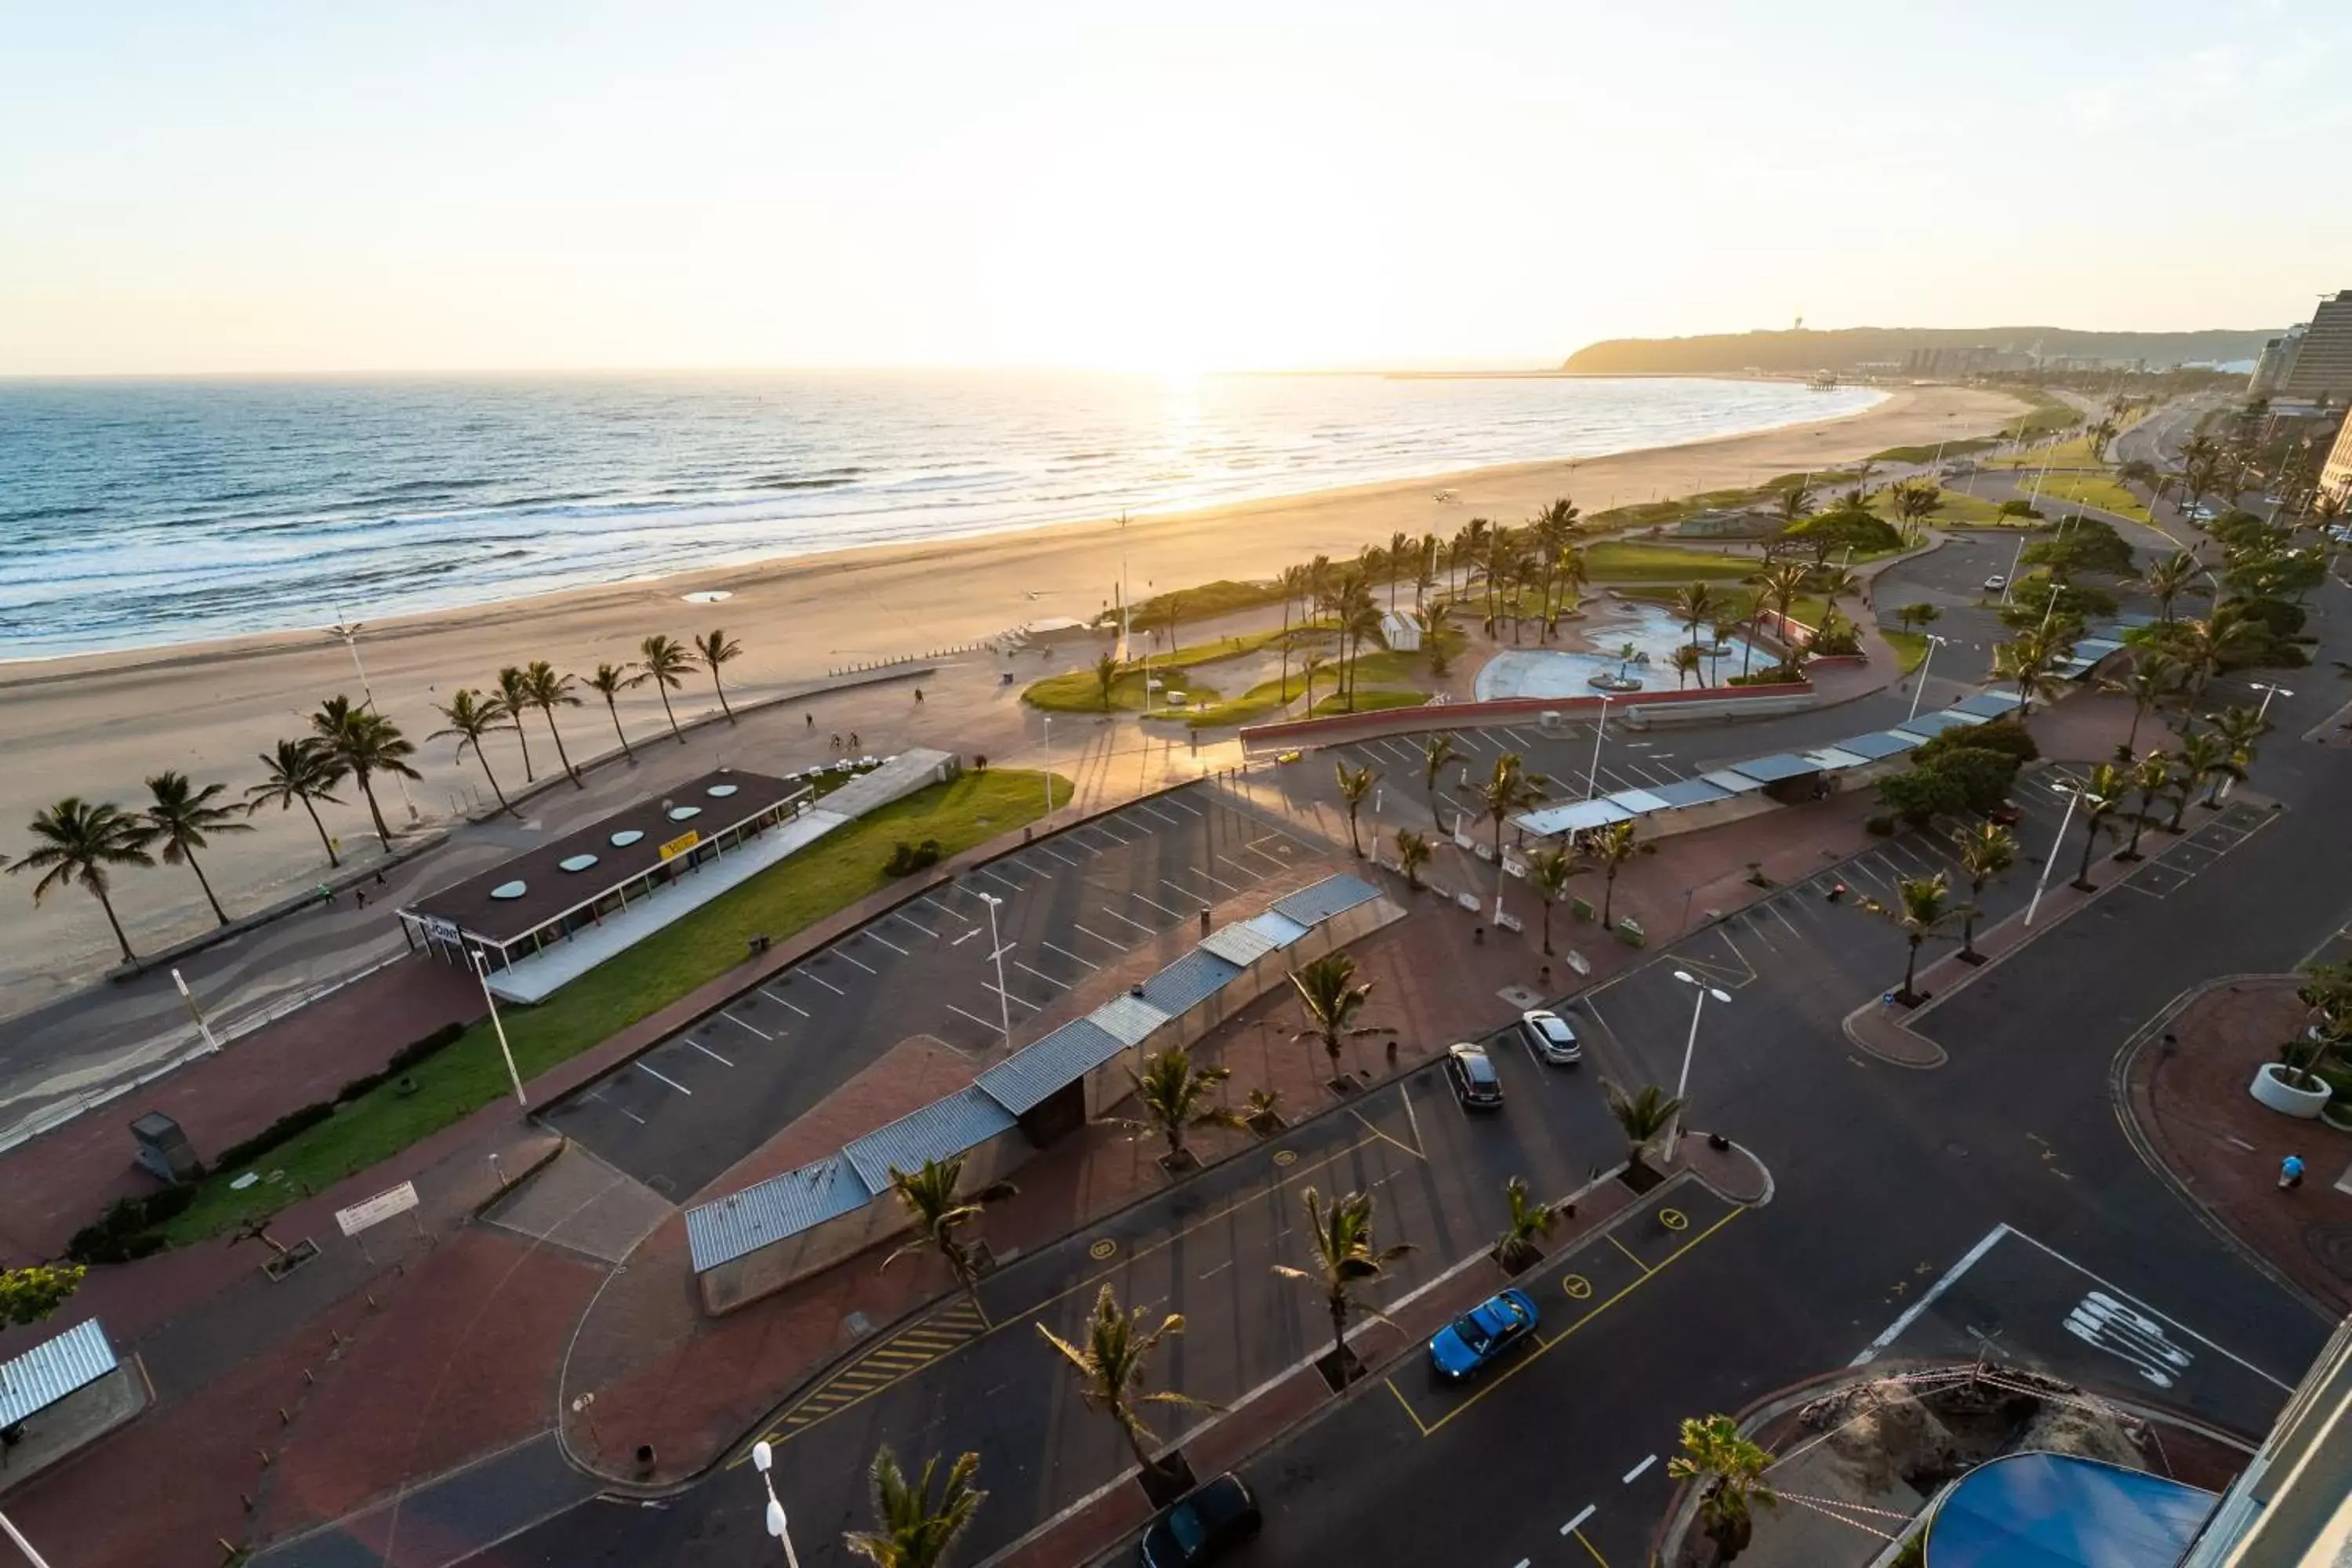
(1551, 1037)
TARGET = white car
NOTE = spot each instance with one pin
(1551, 1037)
(1995, 583)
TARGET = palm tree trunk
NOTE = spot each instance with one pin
(367, 788)
(108, 905)
(670, 713)
(715, 685)
(1968, 931)
(2090, 843)
(523, 740)
(1133, 1428)
(1339, 1337)
(484, 758)
(1547, 928)
(1284, 686)
(1911, 968)
(1354, 843)
(205, 882)
(326, 843)
(1608, 896)
(618, 733)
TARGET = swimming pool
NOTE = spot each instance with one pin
(1650, 630)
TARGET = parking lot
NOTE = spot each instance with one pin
(1064, 907)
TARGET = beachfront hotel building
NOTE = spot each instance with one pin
(2336, 476)
(2321, 371)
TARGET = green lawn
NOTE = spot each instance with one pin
(2102, 491)
(1267, 697)
(1958, 510)
(1370, 702)
(1910, 648)
(831, 874)
(1620, 561)
(2073, 453)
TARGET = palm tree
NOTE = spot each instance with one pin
(1413, 851)
(1114, 1365)
(2239, 728)
(1641, 1116)
(2154, 679)
(469, 717)
(2210, 643)
(2031, 660)
(1290, 582)
(1687, 661)
(1796, 503)
(2149, 778)
(1355, 788)
(1328, 990)
(715, 648)
(80, 841)
(181, 816)
(365, 744)
(514, 696)
(301, 770)
(1985, 851)
(666, 664)
(2096, 797)
(934, 1200)
(1346, 1256)
(917, 1527)
(1506, 789)
(1922, 909)
(609, 681)
(1835, 583)
(546, 690)
(1106, 676)
(1731, 1469)
(2169, 579)
(1612, 845)
(1548, 870)
(1530, 1221)
(2202, 760)
(1309, 667)
(1437, 753)
(1779, 585)
(1176, 1097)
(1359, 621)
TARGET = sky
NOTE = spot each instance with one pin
(502, 186)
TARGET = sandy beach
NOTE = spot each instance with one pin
(98, 725)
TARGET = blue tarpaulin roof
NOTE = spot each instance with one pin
(2053, 1510)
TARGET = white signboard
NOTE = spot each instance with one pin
(377, 1209)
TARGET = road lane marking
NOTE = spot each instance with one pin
(1155, 811)
(989, 1023)
(1004, 880)
(1589, 1510)
(1911, 1314)
(1065, 953)
(885, 942)
(965, 937)
(780, 1001)
(1163, 909)
(1057, 983)
(1635, 1473)
(741, 1025)
(1065, 859)
(1181, 806)
(847, 959)
(666, 1079)
(821, 980)
(1628, 1252)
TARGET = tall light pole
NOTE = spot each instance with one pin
(23, 1546)
(1592, 778)
(482, 973)
(2073, 798)
(1690, 1046)
(763, 1459)
(2015, 561)
(1934, 642)
(2269, 688)
(204, 1030)
(349, 632)
(997, 951)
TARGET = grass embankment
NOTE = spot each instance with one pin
(1957, 509)
(2104, 491)
(1910, 648)
(834, 872)
(1619, 560)
(1079, 691)
(2045, 415)
(1928, 453)
(2073, 453)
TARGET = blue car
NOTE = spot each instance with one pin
(1482, 1334)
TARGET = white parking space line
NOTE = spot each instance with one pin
(952, 914)
(1013, 996)
(741, 1025)
(781, 1002)
(1065, 859)
(1137, 924)
(1163, 909)
(1515, 735)
(598, 1095)
(821, 980)
(1065, 953)
(1098, 936)
(671, 1081)
(885, 942)
(847, 959)
(1570, 1528)
(1229, 886)
(1058, 984)
(1002, 881)
(1101, 825)
(1148, 809)
(714, 1056)
(1169, 800)
(1634, 1474)
(1777, 915)
(989, 1023)
(1262, 855)
(918, 925)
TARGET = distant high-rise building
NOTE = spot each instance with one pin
(2278, 357)
(2336, 476)
(2323, 367)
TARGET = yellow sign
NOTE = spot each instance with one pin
(680, 844)
(1576, 1285)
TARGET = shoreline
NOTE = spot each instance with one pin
(37, 669)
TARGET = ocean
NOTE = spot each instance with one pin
(146, 513)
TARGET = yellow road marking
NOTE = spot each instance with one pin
(1577, 1286)
(1673, 1219)
(1628, 1252)
(1394, 1143)
(1411, 1414)
(1590, 1547)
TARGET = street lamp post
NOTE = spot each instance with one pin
(349, 632)
(2073, 798)
(23, 1546)
(482, 973)
(1690, 1046)
(1934, 642)
(1592, 778)
(2269, 688)
(997, 951)
(2015, 561)
(763, 1459)
(204, 1029)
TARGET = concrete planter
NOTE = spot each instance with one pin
(2272, 1089)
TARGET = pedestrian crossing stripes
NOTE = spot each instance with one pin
(901, 1355)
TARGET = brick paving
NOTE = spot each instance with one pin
(2222, 1149)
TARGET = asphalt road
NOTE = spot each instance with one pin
(684, 1111)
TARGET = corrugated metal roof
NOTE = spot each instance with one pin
(1934, 725)
(53, 1369)
(1574, 817)
(1313, 906)
(770, 1211)
(1689, 792)
(1994, 702)
(941, 1129)
(1731, 782)
(1775, 768)
(1190, 981)
(1127, 1019)
(1280, 930)
(1831, 759)
(1240, 944)
(1027, 1078)
(1880, 744)
(1639, 801)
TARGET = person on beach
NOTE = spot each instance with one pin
(812, 720)
(853, 740)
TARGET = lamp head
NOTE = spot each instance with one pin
(762, 1455)
(775, 1519)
